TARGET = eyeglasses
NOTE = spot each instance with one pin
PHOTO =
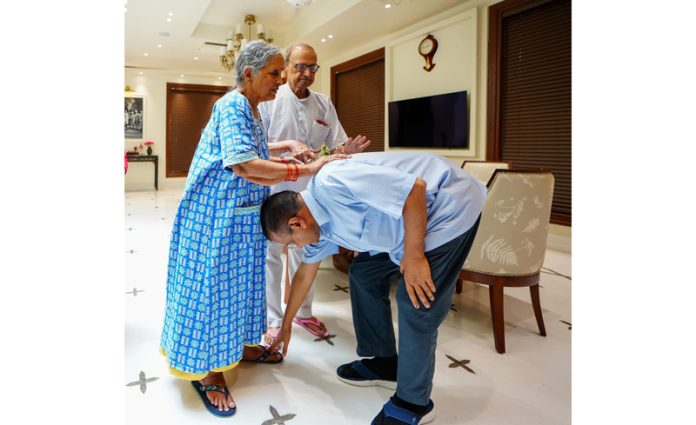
(302, 67)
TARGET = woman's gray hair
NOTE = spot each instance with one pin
(255, 54)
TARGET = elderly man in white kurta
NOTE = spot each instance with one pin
(298, 113)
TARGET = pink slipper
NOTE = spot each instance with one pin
(305, 322)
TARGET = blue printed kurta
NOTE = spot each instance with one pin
(216, 299)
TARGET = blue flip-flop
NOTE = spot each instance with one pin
(201, 389)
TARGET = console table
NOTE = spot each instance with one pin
(146, 158)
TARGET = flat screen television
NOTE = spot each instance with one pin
(440, 121)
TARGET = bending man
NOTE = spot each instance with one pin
(411, 216)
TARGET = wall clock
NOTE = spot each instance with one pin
(427, 48)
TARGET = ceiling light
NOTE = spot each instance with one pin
(141, 72)
(159, 46)
(181, 75)
(169, 19)
(171, 13)
(300, 3)
(323, 40)
(146, 54)
(330, 35)
(390, 3)
(195, 58)
(219, 78)
(236, 41)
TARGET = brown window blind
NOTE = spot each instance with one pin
(535, 95)
(357, 91)
(189, 107)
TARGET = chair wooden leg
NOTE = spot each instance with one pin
(498, 316)
(460, 284)
(534, 291)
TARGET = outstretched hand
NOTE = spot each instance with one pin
(419, 281)
(355, 144)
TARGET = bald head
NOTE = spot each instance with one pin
(299, 58)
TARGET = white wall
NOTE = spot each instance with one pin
(461, 64)
(153, 85)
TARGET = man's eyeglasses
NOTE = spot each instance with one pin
(302, 67)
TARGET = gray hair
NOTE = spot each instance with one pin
(297, 45)
(255, 54)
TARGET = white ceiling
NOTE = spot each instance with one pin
(195, 22)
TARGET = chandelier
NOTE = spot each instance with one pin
(236, 41)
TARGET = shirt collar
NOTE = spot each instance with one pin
(318, 212)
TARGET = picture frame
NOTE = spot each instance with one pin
(134, 117)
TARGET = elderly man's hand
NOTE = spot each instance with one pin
(355, 144)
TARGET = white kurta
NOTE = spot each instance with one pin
(314, 122)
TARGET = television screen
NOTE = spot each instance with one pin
(440, 121)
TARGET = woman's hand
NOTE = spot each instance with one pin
(306, 156)
(316, 165)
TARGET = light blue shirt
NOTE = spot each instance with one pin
(358, 202)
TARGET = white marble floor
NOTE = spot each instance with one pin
(530, 384)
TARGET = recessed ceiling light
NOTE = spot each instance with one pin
(195, 58)
(387, 6)
(330, 35)
(323, 40)
(146, 54)
(159, 46)
(141, 72)
(169, 19)
(181, 75)
(171, 13)
(219, 78)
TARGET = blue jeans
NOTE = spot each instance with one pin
(370, 278)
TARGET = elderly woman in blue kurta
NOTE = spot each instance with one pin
(215, 307)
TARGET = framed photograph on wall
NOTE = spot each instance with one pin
(134, 116)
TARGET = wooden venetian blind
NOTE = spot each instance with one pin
(535, 95)
(189, 107)
(357, 92)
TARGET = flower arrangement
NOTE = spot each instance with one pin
(136, 150)
(149, 145)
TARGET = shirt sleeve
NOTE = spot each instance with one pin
(236, 131)
(352, 183)
(318, 251)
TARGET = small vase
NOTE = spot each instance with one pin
(149, 150)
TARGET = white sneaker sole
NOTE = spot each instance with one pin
(391, 385)
(428, 418)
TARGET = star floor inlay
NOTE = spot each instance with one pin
(135, 292)
(326, 338)
(460, 363)
(277, 418)
(142, 382)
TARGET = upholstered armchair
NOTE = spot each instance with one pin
(483, 170)
(509, 248)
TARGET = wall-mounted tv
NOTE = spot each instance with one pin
(440, 121)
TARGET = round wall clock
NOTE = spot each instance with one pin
(427, 48)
